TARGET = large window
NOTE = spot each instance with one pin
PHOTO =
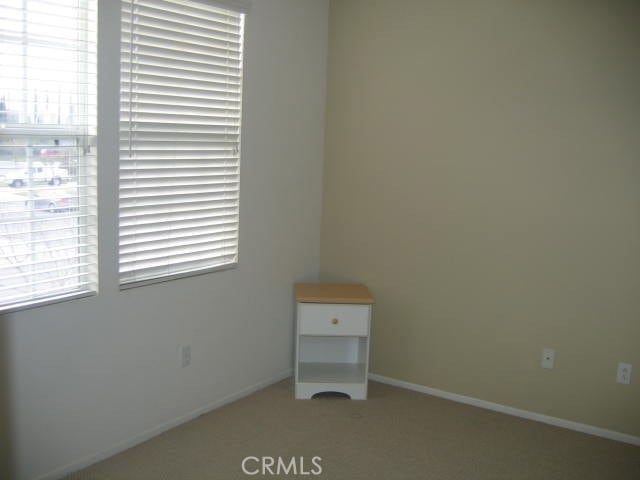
(47, 150)
(180, 112)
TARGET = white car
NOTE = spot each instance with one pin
(39, 172)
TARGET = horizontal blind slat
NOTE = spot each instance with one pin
(178, 255)
(61, 273)
(192, 243)
(134, 233)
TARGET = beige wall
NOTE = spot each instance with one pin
(483, 178)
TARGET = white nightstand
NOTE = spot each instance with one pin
(332, 339)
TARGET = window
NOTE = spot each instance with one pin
(47, 151)
(180, 112)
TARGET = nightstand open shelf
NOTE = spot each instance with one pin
(332, 339)
(318, 372)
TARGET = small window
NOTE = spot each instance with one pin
(180, 113)
(47, 151)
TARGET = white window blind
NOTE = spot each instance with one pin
(180, 112)
(47, 151)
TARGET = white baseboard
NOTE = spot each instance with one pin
(538, 417)
(152, 432)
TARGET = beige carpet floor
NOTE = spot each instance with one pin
(395, 434)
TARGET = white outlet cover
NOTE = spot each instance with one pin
(624, 373)
(548, 358)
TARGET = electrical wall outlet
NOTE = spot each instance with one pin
(185, 355)
(548, 358)
(624, 373)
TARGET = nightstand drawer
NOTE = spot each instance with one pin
(333, 319)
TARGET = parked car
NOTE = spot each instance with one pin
(39, 172)
(52, 204)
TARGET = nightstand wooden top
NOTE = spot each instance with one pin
(332, 293)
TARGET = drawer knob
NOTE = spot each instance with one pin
(335, 321)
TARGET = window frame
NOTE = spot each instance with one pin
(29, 133)
(237, 7)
